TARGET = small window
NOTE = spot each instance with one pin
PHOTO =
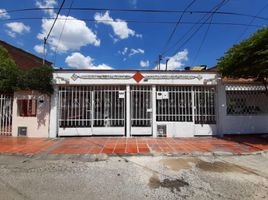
(27, 107)
(246, 102)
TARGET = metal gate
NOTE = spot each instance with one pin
(204, 105)
(91, 110)
(141, 110)
(204, 112)
(6, 104)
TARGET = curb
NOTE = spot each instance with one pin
(103, 157)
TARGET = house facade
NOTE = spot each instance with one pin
(180, 103)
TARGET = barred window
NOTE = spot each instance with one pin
(27, 107)
(174, 103)
(246, 102)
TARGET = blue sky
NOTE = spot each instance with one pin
(111, 41)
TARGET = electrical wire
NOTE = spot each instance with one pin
(130, 21)
(201, 22)
(177, 24)
(46, 38)
(56, 50)
(251, 21)
(203, 40)
(136, 10)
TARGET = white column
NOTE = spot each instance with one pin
(154, 111)
(53, 118)
(193, 110)
(128, 112)
(221, 107)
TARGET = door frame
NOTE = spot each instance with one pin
(141, 130)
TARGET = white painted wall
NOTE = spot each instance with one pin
(174, 129)
(53, 124)
(179, 129)
(36, 126)
(228, 124)
(65, 77)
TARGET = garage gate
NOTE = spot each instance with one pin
(101, 110)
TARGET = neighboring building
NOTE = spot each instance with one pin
(180, 103)
(24, 109)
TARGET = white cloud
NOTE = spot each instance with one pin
(39, 48)
(144, 63)
(138, 35)
(114, 38)
(176, 61)
(15, 28)
(136, 51)
(47, 4)
(75, 35)
(4, 14)
(120, 27)
(78, 60)
(124, 51)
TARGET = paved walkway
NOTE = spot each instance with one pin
(140, 145)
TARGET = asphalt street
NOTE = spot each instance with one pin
(136, 177)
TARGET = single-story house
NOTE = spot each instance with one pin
(178, 103)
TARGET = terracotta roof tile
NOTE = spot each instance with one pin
(22, 58)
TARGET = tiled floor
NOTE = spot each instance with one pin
(141, 145)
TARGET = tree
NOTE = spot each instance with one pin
(39, 78)
(9, 73)
(12, 78)
(248, 59)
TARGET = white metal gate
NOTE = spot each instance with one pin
(6, 104)
(204, 112)
(141, 110)
(91, 110)
(204, 105)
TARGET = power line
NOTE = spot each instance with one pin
(252, 20)
(178, 22)
(56, 50)
(130, 21)
(204, 37)
(203, 40)
(136, 10)
(201, 22)
(217, 7)
(46, 38)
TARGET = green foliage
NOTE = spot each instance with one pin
(9, 73)
(247, 59)
(12, 79)
(39, 79)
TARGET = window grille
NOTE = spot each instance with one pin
(86, 106)
(174, 103)
(246, 102)
(141, 106)
(27, 107)
(75, 106)
(204, 105)
(109, 106)
(6, 104)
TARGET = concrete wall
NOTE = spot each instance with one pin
(229, 124)
(37, 126)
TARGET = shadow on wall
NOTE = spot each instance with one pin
(43, 106)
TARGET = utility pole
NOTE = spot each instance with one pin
(167, 63)
(44, 50)
(159, 60)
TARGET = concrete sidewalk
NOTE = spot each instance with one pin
(135, 146)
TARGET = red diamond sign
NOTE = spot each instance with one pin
(138, 77)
